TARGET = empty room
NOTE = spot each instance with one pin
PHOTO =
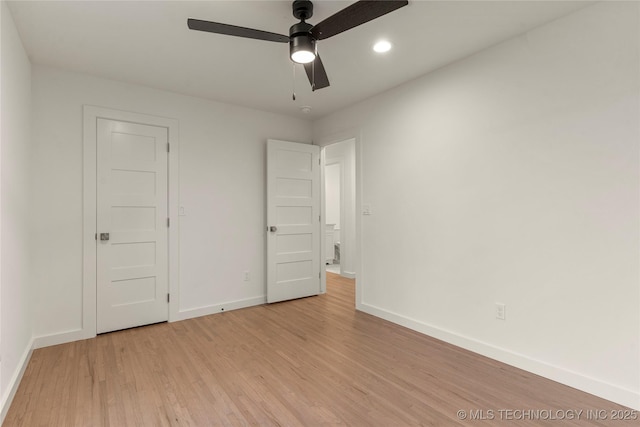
(367, 213)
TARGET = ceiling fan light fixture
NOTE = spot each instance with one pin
(303, 49)
(303, 56)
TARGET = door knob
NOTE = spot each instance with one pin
(273, 229)
(104, 237)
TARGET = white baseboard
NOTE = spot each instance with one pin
(620, 395)
(80, 334)
(62, 338)
(14, 383)
(219, 308)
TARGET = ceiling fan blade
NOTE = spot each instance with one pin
(232, 30)
(317, 74)
(354, 15)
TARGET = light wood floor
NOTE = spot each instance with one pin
(314, 361)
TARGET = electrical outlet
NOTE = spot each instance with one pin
(501, 311)
(246, 276)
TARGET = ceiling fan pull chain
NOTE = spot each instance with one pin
(313, 69)
(313, 72)
(293, 83)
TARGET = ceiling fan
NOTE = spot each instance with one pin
(303, 36)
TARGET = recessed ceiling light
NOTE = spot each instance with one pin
(382, 46)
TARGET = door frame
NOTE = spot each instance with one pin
(323, 142)
(89, 207)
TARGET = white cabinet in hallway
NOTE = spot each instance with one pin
(330, 244)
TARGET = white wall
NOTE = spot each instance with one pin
(344, 152)
(15, 168)
(513, 176)
(222, 190)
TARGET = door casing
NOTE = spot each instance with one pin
(89, 229)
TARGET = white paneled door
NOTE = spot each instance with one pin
(293, 220)
(132, 250)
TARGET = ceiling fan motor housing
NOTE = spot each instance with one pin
(300, 38)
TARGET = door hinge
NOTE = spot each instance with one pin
(319, 218)
(168, 297)
(168, 147)
(96, 236)
(168, 222)
(319, 274)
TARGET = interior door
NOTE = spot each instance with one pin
(132, 212)
(293, 220)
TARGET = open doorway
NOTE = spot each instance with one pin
(340, 208)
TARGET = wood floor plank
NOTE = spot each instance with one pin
(310, 362)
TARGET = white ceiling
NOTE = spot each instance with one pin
(148, 43)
